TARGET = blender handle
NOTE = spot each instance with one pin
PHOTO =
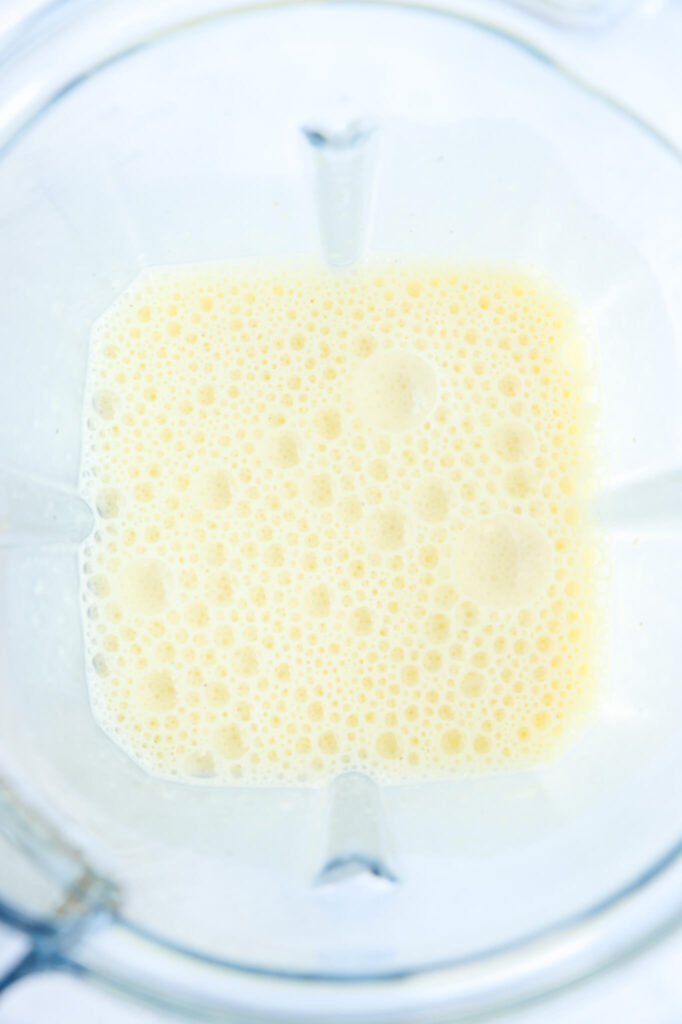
(85, 900)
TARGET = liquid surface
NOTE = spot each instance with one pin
(340, 523)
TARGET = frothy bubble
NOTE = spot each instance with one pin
(213, 489)
(144, 585)
(431, 500)
(283, 449)
(514, 441)
(503, 560)
(395, 390)
(387, 528)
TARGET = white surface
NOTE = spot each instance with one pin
(637, 62)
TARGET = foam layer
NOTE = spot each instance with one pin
(340, 523)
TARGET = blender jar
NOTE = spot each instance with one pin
(144, 134)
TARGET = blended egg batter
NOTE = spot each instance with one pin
(340, 522)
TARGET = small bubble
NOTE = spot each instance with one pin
(245, 661)
(108, 503)
(328, 743)
(229, 742)
(363, 345)
(350, 509)
(219, 588)
(387, 745)
(438, 628)
(509, 385)
(503, 560)
(467, 613)
(428, 556)
(319, 490)
(473, 685)
(282, 449)
(274, 556)
(144, 585)
(212, 489)
(361, 621)
(104, 403)
(217, 695)
(452, 742)
(520, 481)
(318, 601)
(410, 675)
(315, 711)
(386, 528)
(100, 665)
(396, 390)
(98, 585)
(445, 595)
(144, 491)
(215, 553)
(327, 423)
(158, 692)
(431, 500)
(513, 441)
(378, 469)
(200, 764)
(197, 614)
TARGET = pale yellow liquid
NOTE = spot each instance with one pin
(340, 522)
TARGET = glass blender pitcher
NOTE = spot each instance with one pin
(140, 134)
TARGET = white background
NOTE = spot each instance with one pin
(639, 60)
